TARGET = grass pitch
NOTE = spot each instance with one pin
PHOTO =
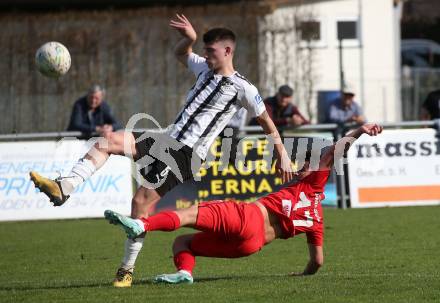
(371, 255)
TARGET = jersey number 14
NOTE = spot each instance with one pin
(302, 203)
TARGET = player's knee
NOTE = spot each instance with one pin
(114, 141)
(139, 208)
(136, 202)
(141, 204)
(102, 145)
(182, 243)
(180, 240)
(188, 216)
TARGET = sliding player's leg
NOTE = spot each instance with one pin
(230, 230)
(207, 244)
(163, 221)
(184, 260)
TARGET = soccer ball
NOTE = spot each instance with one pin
(53, 59)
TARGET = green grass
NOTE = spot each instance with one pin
(371, 255)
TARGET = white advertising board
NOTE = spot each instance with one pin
(109, 188)
(396, 168)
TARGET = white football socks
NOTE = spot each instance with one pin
(80, 172)
(132, 249)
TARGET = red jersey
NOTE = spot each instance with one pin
(298, 207)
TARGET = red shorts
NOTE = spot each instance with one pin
(229, 230)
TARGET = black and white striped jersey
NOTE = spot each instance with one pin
(210, 104)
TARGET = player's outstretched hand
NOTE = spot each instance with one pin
(371, 129)
(184, 27)
(296, 274)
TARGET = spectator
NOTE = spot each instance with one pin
(91, 114)
(281, 109)
(431, 106)
(345, 109)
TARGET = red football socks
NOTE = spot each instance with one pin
(163, 221)
(185, 260)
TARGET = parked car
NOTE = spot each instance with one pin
(420, 53)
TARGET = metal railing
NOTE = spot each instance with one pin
(40, 136)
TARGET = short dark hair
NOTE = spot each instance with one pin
(218, 34)
(285, 90)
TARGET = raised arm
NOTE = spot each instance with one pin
(371, 129)
(184, 47)
(284, 168)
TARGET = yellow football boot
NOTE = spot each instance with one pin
(123, 278)
(52, 188)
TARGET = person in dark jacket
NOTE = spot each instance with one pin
(92, 114)
(431, 106)
(281, 109)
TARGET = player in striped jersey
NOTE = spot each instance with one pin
(169, 158)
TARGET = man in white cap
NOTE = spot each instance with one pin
(345, 109)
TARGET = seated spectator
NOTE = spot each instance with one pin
(431, 106)
(345, 109)
(282, 110)
(91, 114)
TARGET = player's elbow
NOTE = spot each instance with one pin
(262, 118)
(182, 53)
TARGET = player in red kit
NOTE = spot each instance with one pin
(230, 229)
